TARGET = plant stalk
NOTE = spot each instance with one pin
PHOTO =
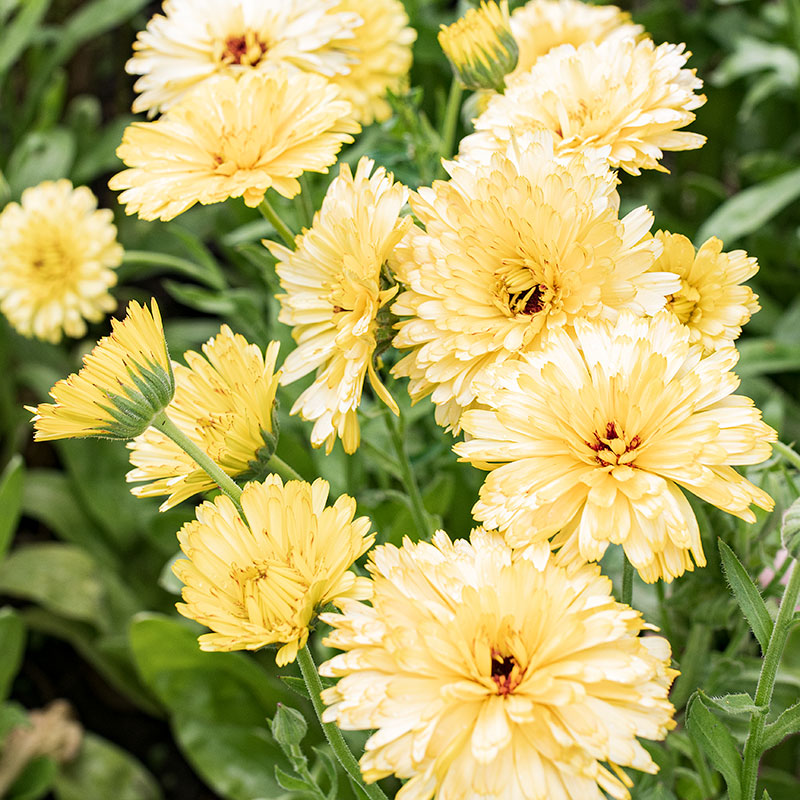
(627, 580)
(332, 733)
(787, 452)
(271, 215)
(753, 748)
(450, 124)
(286, 472)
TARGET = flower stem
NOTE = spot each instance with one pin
(627, 580)
(766, 683)
(396, 430)
(271, 215)
(787, 452)
(450, 124)
(334, 736)
(306, 201)
(163, 423)
(286, 472)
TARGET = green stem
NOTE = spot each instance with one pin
(450, 124)
(627, 580)
(753, 747)
(286, 472)
(271, 215)
(306, 201)
(787, 452)
(164, 424)
(396, 430)
(332, 733)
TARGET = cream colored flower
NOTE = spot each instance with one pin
(125, 382)
(57, 258)
(542, 25)
(380, 56)
(512, 248)
(487, 678)
(335, 290)
(223, 402)
(194, 40)
(262, 581)
(233, 138)
(711, 302)
(596, 436)
(624, 95)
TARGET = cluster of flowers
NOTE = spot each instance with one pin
(588, 361)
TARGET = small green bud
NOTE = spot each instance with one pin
(288, 726)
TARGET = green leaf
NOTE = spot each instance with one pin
(331, 770)
(11, 482)
(747, 595)
(35, 781)
(12, 715)
(765, 796)
(17, 35)
(733, 703)
(716, 742)
(289, 782)
(785, 725)
(790, 530)
(102, 770)
(41, 156)
(751, 208)
(12, 635)
(297, 685)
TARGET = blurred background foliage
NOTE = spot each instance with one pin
(84, 567)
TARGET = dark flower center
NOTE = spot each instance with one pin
(505, 672)
(612, 447)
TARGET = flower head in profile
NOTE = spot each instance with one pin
(335, 293)
(712, 302)
(194, 40)
(630, 97)
(57, 258)
(539, 26)
(223, 402)
(522, 244)
(124, 383)
(486, 677)
(380, 56)
(262, 581)
(598, 435)
(480, 46)
(233, 138)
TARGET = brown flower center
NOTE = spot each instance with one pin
(505, 672)
(247, 49)
(612, 448)
(531, 301)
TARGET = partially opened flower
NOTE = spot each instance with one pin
(335, 290)
(598, 435)
(712, 302)
(539, 26)
(631, 97)
(380, 56)
(194, 40)
(125, 382)
(233, 138)
(262, 581)
(484, 677)
(223, 402)
(57, 258)
(522, 244)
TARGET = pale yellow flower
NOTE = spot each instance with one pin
(541, 25)
(512, 248)
(57, 259)
(711, 302)
(262, 581)
(380, 53)
(335, 291)
(223, 402)
(621, 94)
(596, 436)
(124, 383)
(488, 678)
(233, 138)
(480, 47)
(194, 40)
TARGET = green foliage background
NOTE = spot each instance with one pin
(84, 563)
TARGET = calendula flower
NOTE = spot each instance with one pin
(486, 677)
(512, 248)
(597, 435)
(223, 402)
(380, 56)
(194, 40)
(335, 294)
(233, 138)
(542, 25)
(57, 259)
(480, 47)
(711, 302)
(125, 382)
(621, 94)
(261, 581)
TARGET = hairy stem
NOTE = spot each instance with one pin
(271, 215)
